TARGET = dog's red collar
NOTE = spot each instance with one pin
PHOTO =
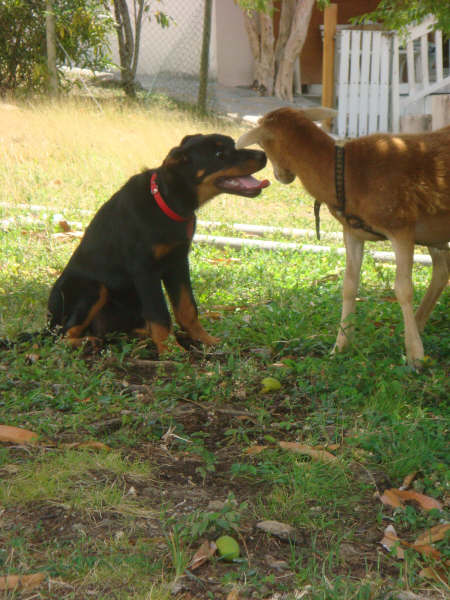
(161, 203)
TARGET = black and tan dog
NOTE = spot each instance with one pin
(140, 239)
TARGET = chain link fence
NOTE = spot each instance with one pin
(169, 58)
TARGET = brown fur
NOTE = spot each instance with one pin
(399, 185)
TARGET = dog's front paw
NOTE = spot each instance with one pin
(198, 333)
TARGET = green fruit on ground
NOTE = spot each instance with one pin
(270, 384)
(227, 547)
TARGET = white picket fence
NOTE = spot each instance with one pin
(371, 96)
(425, 68)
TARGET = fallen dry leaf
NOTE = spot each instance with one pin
(211, 314)
(223, 260)
(253, 450)
(407, 595)
(425, 502)
(92, 445)
(10, 582)
(408, 480)
(67, 235)
(203, 554)
(329, 277)
(426, 550)
(281, 530)
(327, 447)
(32, 358)
(225, 308)
(16, 435)
(396, 498)
(391, 542)
(64, 225)
(233, 595)
(308, 450)
(275, 563)
(435, 534)
(390, 498)
(439, 574)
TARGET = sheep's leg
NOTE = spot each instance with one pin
(354, 254)
(439, 279)
(404, 253)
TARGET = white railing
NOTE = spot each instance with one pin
(364, 77)
(424, 63)
(371, 66)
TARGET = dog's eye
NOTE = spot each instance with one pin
(220, 154)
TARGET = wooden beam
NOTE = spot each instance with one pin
(440, 111)
(329, 31)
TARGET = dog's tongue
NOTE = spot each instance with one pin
(245, 182)
(248, 182)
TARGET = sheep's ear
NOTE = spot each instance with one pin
(320, 113)
(254, 136)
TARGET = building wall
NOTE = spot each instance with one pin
(234, 56)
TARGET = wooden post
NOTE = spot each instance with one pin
(440, 111)
(415, 123)
(329, 31)
(51, 48)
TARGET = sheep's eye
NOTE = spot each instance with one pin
(220, 154)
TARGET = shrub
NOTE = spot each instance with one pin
(82, 30)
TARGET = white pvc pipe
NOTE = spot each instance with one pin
(288, 231)
(387, 257)
(230, 242)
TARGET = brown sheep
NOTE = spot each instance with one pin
(394, 187)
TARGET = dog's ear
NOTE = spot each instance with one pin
(177, 156)
(180, 155)
(188, 138)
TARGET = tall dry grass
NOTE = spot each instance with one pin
(74, 153)
(72, 156)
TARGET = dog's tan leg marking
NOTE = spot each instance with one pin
(76, 331)
(186, 317)
(157, 333)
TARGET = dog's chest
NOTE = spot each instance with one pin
(163, 248)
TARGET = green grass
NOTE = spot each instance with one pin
(124, 523)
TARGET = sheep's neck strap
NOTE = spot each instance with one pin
(339, 182)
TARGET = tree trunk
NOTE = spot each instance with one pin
(285, 76)
(137, 37)
(259, 29)
(286, 19)
(251, 23)
(267, 62)
(128, 51)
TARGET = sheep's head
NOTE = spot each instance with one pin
(272, 135)
(265, 137)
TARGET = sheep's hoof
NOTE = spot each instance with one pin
(417, 364)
